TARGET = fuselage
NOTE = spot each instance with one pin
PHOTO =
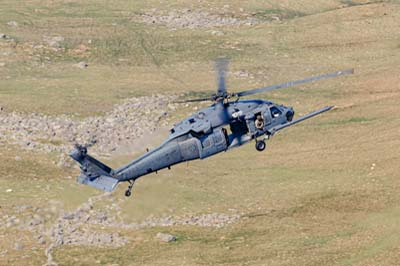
(217, 128)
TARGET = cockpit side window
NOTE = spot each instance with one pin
(275, 112)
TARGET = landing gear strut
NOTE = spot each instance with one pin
(128, 192)
(260, 145)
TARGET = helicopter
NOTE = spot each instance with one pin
(227, 123)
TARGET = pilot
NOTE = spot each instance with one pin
(259, 122)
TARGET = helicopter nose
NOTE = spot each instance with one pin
(290, 115)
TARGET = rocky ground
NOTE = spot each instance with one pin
(194, 19)
(53, 227)
(126, 122)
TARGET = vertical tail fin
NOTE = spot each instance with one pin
(93, 172)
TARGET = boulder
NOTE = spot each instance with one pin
(18, 246)
(82, 65)
(165, 237)
(12, 24)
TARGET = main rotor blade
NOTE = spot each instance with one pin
(300, 119)
(221, 67)
(194, 100)
(295, 82)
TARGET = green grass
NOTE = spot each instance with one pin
(269, 14)
(357, 3)
(126, 58)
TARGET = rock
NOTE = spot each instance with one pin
(165, 237)
(53, 41)
(35, 221)
(22, 208)
(58, 39)
(9, 190)
(69, 216)
(86, 207)
(105, 238)
(100, 217)
(41, 240)
(12, 24)
(64, 162)
(217, 33)
(18, 246)
(242, 74)
(276, 18)
(172, 106)
(82, 49)
(82, 65)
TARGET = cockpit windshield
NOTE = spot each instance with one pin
(275, 112)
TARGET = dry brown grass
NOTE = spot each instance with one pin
(311, 199)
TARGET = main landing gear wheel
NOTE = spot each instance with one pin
(128, 192)
(260, 145)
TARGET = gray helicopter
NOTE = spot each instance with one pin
(228, 123)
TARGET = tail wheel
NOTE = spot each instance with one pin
(128, 192)
(260, 145)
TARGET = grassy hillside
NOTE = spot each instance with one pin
(325, 192)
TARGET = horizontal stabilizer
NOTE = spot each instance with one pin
(102, 182)
(298, 120)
